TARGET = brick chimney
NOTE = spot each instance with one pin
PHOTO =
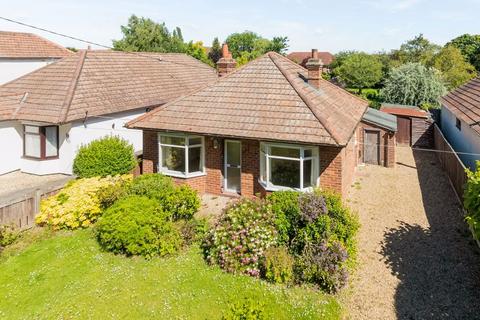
(226, 63)
(314, 67)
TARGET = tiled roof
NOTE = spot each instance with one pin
(404, 110)
(464, 103)
(381, 119)
(21, 45)
(101, 82)
(265, 99)
(302, 57)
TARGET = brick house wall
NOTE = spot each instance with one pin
(387, 144)
(337, 166)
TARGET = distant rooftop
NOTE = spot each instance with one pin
(20, 45)
(303, 56)
(404, 110)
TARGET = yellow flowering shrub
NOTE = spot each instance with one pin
(78, 205)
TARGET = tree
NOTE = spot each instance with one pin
(248, 45)
(360, 70)
(215, 51)
(278, 44)
(469, 45)
(413, 84)
(419, 49)
(198, 51)
(142, 34)
(455, 70)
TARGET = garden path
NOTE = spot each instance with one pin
(416, 256)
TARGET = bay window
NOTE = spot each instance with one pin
(181, 155)
(40, 142)
(285, 166)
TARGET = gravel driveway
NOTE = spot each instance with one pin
(416, 256)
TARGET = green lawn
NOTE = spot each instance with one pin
(66, 276)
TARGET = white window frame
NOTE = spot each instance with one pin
(185, 146)
(265, 165)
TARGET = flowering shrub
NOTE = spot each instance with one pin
(311, 206)
(239, 239)
(8, 235)
(323, 264)
(136, 226)
(278, 265)
(472, 200)
(78, 205)
(247, 309)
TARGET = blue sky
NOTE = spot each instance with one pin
(367, 25)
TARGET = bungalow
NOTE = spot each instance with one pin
(21, 53)
(46, 115)
(270, 125)
(460, 121)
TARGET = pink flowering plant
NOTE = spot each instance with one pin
(239, 239)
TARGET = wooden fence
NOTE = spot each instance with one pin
(450, 163)
(20, 209)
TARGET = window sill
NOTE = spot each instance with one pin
(279, 188)
(183, 176)
(40, 159)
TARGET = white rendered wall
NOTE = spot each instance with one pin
(464, 140)
(73, 135)
(11, 146)
(11, 69)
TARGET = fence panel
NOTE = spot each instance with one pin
(450, 163)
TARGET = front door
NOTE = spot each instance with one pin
(372, 147)
(233, 158)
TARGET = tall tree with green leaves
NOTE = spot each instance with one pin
(418, 49)
(248, 45)
(469, 45)
(414, 84)
(360, 70)
(143, 34)
(198, 51)
(455, 70)
(215, 51)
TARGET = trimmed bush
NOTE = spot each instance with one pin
(287, 213)
(247, 309)
(8, 235)
(278, 265)
(239, 239)
(324, 265)
(78, 205)
(136, 226)
(472, 200)
(109, 194)
(181, 202)
(107, 156)
(151, 185)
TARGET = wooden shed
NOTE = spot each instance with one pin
(414, 125)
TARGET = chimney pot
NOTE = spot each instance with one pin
(226, 63)
(314, 66)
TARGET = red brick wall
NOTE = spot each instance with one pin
(387, 144)
(331, 166)
(349, 162)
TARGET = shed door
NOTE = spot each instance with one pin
(372, 147)
(404, 133)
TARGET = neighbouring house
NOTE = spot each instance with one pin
(460, 121)
(269, 125)
(415, 126)
(46, 115)
(21, 53)
(302, 57)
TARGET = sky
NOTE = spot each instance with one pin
(366, 25)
